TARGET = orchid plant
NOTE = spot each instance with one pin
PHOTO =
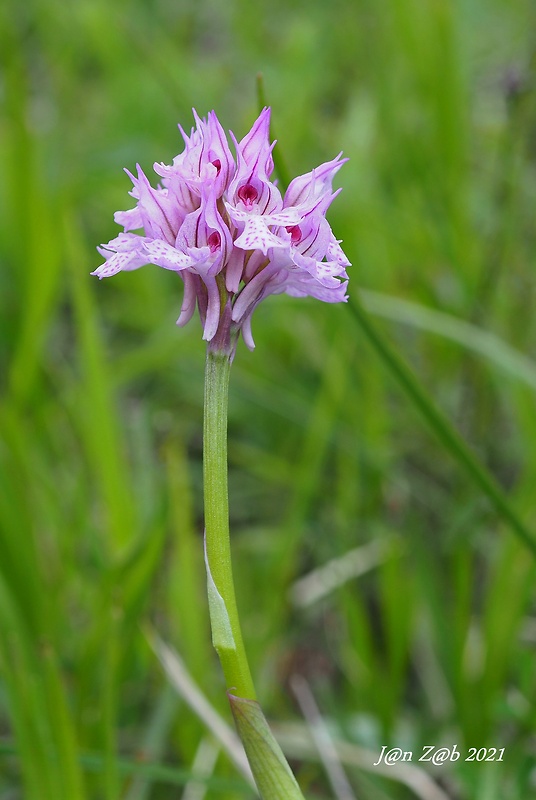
(225, 228)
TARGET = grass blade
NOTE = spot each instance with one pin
(443, 429)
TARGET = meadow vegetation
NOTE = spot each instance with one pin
(424, 629)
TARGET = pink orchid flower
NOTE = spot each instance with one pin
(225, 229)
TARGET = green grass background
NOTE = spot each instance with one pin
(101, 395)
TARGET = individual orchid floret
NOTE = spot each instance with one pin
(206, 159)
(312, 185)
(122, 254)
(255, 149)
(251, 193)
(160, 216)
(224, 228)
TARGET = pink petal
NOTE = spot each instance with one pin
(189, 298)
(120, 262)
(257, 236)
(213, 309)
(313, 184)
(164, 255)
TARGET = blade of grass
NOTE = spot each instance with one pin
(163, 774)
(62, 727)
(297, 742)
(30, 230)
(155, 739)
(396, 596)
(25, 703)
(323, 580)
(322, 738)
(467, 334)
(155, 772)
(204, 762)
(186, 577)
(182, 681)
(443, 429)
(99, 418)
(323, 416)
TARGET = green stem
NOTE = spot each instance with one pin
(226, 633)
(270, 769)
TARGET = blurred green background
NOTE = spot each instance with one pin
(428, 634)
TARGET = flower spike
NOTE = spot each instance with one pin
(224, 227)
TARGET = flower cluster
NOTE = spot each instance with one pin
(225, 228)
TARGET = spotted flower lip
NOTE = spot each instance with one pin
(225, 228)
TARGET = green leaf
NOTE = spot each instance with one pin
(272, 774)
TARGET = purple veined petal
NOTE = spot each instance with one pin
(179, 191)
(245, 330)
(190, 168)
(257, 138)
(238, 215)
(213, 309)
(234, 270)
(123, 253)
(131, 219)
(314, 207)
(255, 261)
(257, 236)
(202, 298)
(306, 188)
(272, 283)
(164, 255)
(325, 272)
(160, 218)
(250, 184)
(187, 139)
(204, 230)
(168, 171)
(211, 267)
(186, 199)
(255, 147)
(314, 233)
(217, 152)
(188, 236)
(206, 160)
(318, 279)
(193, 142)
(332, 269)
(252, 292)
(313, 236)
(189, 298)
(202, 260)
(285, 217)
(215, 228)
(124, 242)
(119, 262)
(301, 284)
(336, 253)
(294, 291)
(252, 193)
